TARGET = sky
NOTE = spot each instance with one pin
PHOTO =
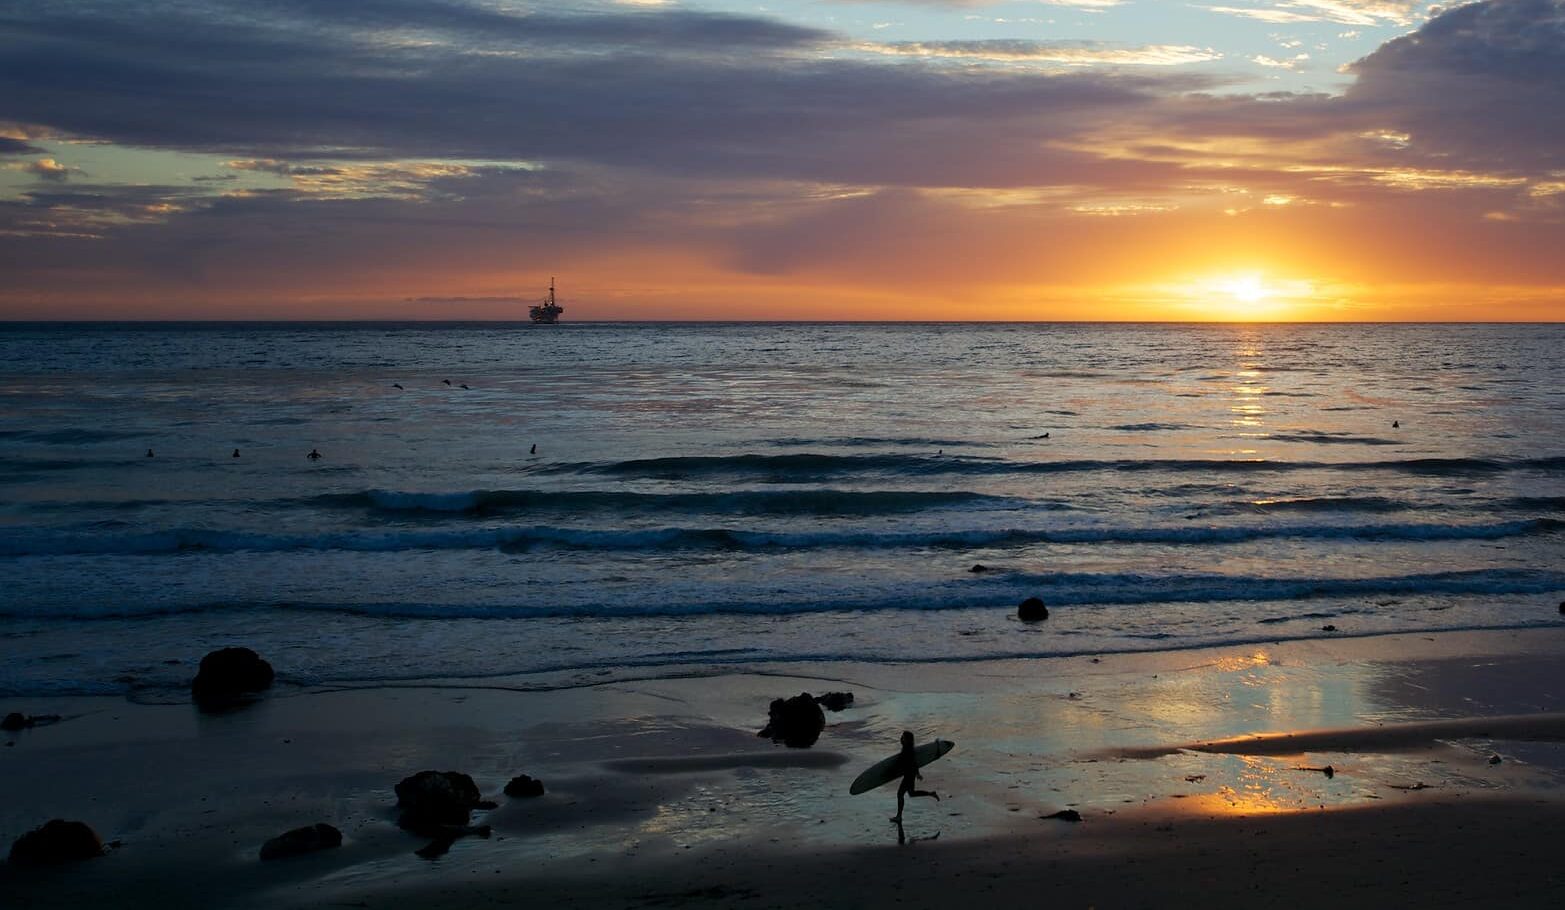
(796, 159)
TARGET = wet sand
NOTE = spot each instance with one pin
(1191, 771)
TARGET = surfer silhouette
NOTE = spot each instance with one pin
(907, 763)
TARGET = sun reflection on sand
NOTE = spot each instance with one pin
(1235, 662)
(1260, 785)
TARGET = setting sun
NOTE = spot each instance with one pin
(1239, 296)
(1245, 288)
(1246, 296)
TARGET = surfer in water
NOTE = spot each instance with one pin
(908, 764)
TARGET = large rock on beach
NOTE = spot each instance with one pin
(523, 786)
(58, 841)
(230, 675)
(795, 722)
(300, 841)
(432, 800)
(1032, 610)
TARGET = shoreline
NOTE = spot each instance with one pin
(664, 780)
(567, 677)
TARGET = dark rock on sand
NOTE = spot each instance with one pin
(18, 721)
(1328, 628)
(523, 786)
(1065, 815)
(58, 841)
(434, 799)
(1032, 610)
(835, 701)
(979, 567)
(302, 840)
(795, 722)
(230, 675)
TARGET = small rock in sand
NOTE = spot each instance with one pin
(979, 567)
(523, 786)
(229, 676)
(835, 701)
(302, 840)
(1328, 628)
(795, 722)
(58, 841)
(1032, 610)
(1065, 815)
(1495, 759)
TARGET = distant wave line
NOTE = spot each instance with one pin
(1075, 589)
(816, 464)
(31, 542)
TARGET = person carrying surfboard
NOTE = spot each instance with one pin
(907, 763)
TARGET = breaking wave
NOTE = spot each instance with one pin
(41, 543)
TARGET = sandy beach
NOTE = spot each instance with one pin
(1195, 774)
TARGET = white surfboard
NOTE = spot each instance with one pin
(885, 771)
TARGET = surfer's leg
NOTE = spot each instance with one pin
(925, 793)
(900, 791)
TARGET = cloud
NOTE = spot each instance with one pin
(1278, 16)
(49, 169)
(1347, 12)
(403, 179)
(1051, 52)
(91, 211)
(10, 145)
(1477, 86)
(680, 93)
(45, 169)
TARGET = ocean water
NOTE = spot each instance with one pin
(710, 496)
